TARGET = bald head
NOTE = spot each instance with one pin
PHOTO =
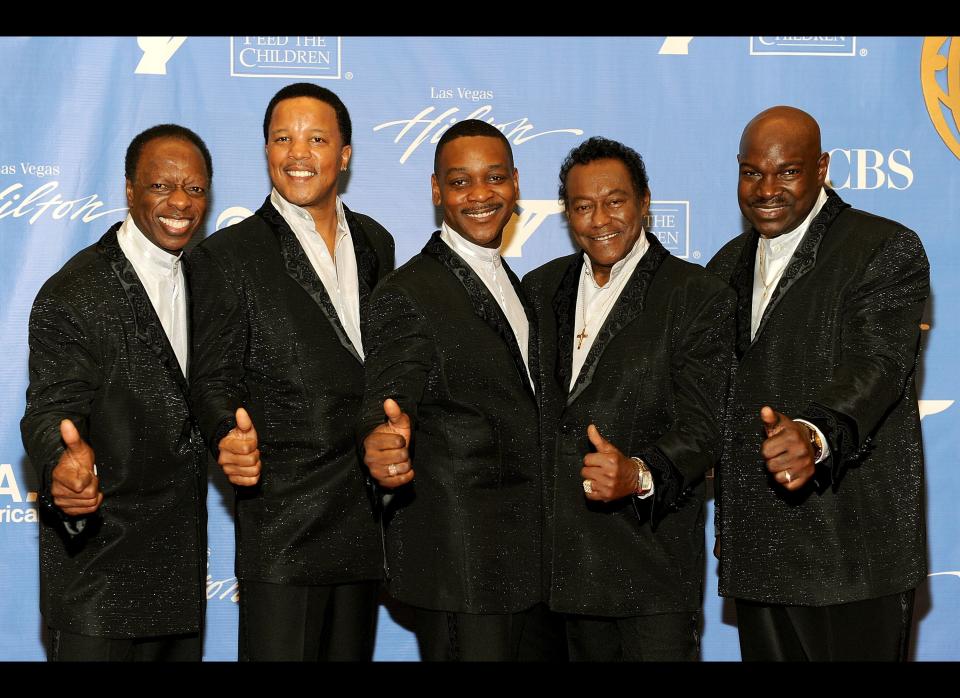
(782, 170)
(783, 123)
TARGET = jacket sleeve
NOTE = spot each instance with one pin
(65, 375)
(219, 334)
(399, 350)
(699, 371)
(880, 325)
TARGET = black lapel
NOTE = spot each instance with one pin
(627, 307)
(803, 259)
(147, 325)
(741, 280)
(533, 333)
(564, 309)
(298, 268)
(484, 306)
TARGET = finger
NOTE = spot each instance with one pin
(773, 447)
(244, 481)
(599, 443)
(70, 435)
(394, 482)
(397, 417)
(235, 443)
(242, 459)
(241, 471)
(604, 461)
(393, 469)
(771, 419)
(383, 441)
(74, 502)
(70, 477)
(244, 423)
(80, 507)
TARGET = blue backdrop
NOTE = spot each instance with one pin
(888, 107)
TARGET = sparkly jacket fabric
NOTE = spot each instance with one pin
(464, 535)
(838, 346)
(654, 383)
(267, 337)
(99, 357)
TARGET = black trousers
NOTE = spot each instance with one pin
(330, 622)
(661, 637)
(533, 635)
(64, 646)
(870, 630)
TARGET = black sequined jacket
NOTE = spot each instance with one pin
(837, 345)
(99, 357)
(266, 337)
(654, 383)
(464, 535)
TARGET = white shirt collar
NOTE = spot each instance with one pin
(145, 251)
(465, 248)
(291, 211)
(786, 243)
(635, 253)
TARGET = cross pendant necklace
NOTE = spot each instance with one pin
(583, 308)
(582, 336)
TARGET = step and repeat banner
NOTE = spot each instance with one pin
(889, 109)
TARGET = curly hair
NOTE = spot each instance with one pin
(600, 148)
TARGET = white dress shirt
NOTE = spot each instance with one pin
(776, 253)
(594, 303)
(338, 273)
(161, 274)
(486, 264)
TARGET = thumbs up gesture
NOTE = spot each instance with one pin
(611, 474)
(74, 484)
(386, 448)
(787, 449)
(239, 452)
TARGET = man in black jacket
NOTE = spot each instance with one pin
(448, 364)
(279, 301)
(107, 424)
(820, 519)
(635, 346)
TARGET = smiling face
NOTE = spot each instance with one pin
(305, 153)
(168, 196)
(477, 187)
(605, 212)
(781, 170)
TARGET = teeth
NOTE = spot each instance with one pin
(178, 223)
(604, 238)
(300, 173)
(481, 214)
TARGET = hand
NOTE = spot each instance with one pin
(239, 452)
(75, 487)
(612, 475)
(787, 449)
(386, 448)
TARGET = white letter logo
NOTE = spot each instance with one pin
(928, 407)
(675, 46)
(232, 215)
(157, 50)
(533, 212)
